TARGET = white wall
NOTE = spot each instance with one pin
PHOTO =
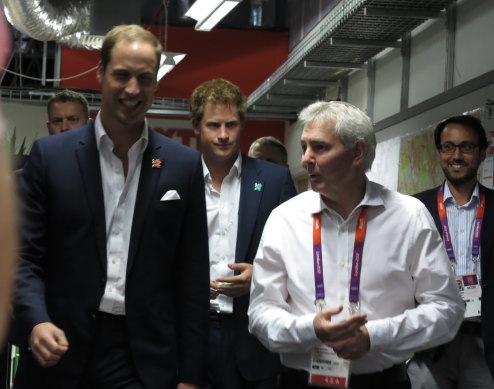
(358, 84)
(474, 57)
(388, 85)
(474, 39)
(427, 62)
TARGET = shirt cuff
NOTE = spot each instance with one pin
(379, 334)
(305, 329)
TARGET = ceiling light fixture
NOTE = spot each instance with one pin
(168, 62)
(168, 59)
(209, 12)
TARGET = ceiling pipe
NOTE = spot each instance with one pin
(40, 20)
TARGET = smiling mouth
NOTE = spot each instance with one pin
(130, 104)
(457, 166)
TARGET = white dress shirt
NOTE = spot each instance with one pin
(120, 195)
(461, 220)
(222, 212)
(403, 262)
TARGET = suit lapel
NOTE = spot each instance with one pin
(486, 241)
(251, 187)
(89, 167)
(146, 190)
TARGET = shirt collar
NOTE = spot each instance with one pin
(236, 168)
(102, 138)
(372, 198)
(448, 197)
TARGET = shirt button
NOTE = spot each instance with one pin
(113, 261)
(342, 263)
(341, 296)
(110, 290)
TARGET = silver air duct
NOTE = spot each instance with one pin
(40, 20)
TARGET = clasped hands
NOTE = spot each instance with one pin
(234, 286)
(348, 338)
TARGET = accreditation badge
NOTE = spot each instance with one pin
(327, 369)
(471, 293)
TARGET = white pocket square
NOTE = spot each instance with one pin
(170, 195)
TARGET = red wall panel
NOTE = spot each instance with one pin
(246, 58)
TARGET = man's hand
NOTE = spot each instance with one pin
(183, 385)
(213, 291)
(348, 338)
(238, 285)
(48, 344)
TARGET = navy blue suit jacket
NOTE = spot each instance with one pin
(62, 270)
(429, 198)
(263, 187)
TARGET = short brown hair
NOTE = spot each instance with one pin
(69, 96)
(217, 91)
(130, 33)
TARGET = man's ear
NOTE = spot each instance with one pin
(483, 154)
(359, 150)
(195, 126)
(48, 128)
(100, 72)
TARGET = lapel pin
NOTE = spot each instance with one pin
(156, 163)
(258, 186)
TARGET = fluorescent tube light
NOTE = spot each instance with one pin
(209, 12)
(168, 62)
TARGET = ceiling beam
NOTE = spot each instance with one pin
(334, 65)
(409, 13)
(351, 42)
(309, 83)
(275, 108)
(290, 97)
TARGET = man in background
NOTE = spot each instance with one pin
(269, 149)
(350, 278)
(463, 211)
(113, 280)
(240, 193)
(66, 110)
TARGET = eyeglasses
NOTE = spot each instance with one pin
(450, 148)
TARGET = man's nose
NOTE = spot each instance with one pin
(132, 86)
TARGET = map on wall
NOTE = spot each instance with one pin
(386, 164)
(419, 167)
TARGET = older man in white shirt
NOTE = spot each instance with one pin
(350, 278)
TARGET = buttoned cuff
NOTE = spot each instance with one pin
(379, 334)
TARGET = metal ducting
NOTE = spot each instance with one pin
(41, 20)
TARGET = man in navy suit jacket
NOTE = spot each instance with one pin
(461, 145)
(240, 194)
(113, 264)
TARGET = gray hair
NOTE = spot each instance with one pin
(350, 124)
(271, 141)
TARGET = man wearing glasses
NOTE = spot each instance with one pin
(463, 211)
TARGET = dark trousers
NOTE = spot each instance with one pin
(110, 365)
(393, 378)
(223, 372)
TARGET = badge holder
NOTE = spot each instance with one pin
(471, 293)
(327, 369)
